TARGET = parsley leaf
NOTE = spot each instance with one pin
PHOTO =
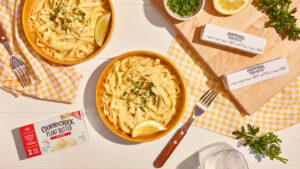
(281, 18)
(266, 145)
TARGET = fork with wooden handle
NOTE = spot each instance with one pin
(17, 65)
(200, 107)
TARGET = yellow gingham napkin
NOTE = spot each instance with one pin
(280, 112)
(49, 81)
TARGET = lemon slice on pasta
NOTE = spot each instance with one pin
(147, 128)
(101, 28)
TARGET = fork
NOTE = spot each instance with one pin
(17, 65)
(200, 107)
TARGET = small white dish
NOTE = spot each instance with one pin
(178, 17)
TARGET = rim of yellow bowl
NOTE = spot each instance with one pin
(25, 14)
(118, 132)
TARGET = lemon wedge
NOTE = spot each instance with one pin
(147, 128)
(101, 28)
(230, 7)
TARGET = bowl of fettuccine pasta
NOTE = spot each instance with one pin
(140, 87)
(64, 31)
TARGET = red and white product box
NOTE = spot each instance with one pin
(54, 134)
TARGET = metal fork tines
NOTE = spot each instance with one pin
(200, 107)
(204, 102)
(18, 67)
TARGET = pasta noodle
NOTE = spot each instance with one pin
(64, 29)
(138, 89)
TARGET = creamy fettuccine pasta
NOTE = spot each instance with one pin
(138, 89)
(64, 29)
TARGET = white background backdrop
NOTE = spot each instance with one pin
(138, 26)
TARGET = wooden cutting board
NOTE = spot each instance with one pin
(221, 60)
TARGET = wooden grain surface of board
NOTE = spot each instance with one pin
(221, 60)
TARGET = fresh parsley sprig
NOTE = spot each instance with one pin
(281, 17)
(266, 145)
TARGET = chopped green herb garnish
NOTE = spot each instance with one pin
(142, 108)
(266, 145)
(133, 82)
(183, 7)
(144, 102)
(81, 12)
(143, 89)
(125, 93)
(137, 87)
(137, 91)
(154, 100)
(150, 85)
(57, 10)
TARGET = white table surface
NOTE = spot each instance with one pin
(138, 26)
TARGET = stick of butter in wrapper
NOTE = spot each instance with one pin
(53, 134)
(255, 73)
(234, 39)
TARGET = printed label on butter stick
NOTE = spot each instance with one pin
(256, 73)
(234, 39)
(54, 134)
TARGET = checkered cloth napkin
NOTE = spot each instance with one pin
(280, 112)
(49, 81)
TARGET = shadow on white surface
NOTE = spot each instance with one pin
(19, 143)
(157, 19)
(192, 162)
(219, 155)
(257, 156)
(91, 109)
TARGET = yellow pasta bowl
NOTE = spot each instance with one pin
(29, 5)
(180, 105)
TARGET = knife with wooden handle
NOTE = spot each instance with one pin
(3, 36)
(170, 147)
